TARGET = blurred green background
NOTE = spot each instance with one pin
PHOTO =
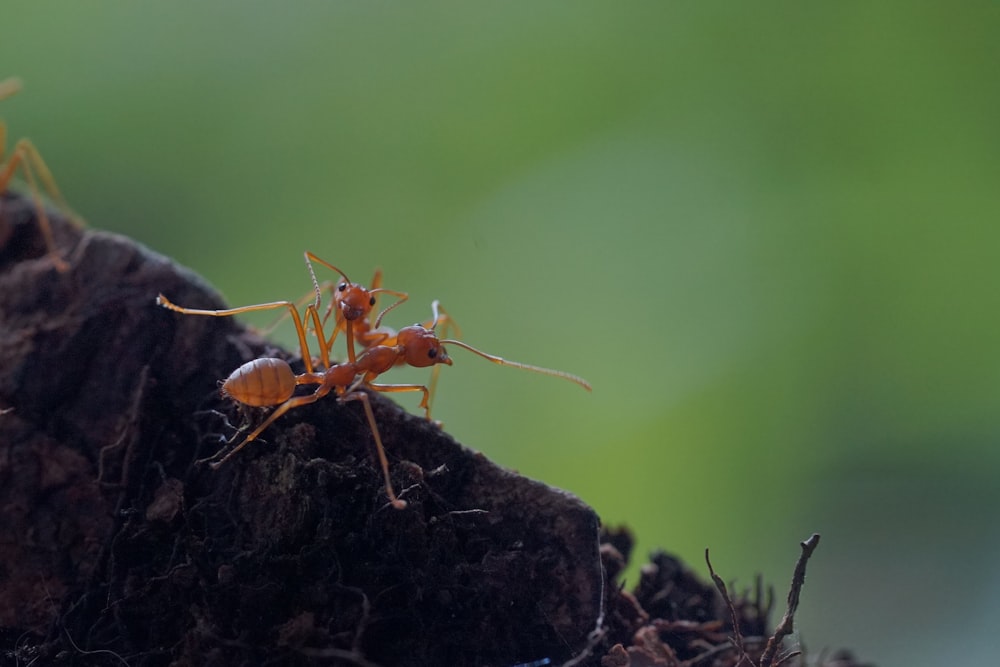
(767, 234)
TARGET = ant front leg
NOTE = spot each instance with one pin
(449, 328)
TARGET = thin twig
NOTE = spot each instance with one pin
(737, 635)
(791, 654)
(787, 622)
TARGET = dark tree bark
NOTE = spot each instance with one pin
(119, 547)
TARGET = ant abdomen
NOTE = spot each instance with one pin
(261, 382)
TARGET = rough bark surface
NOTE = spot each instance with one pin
(118, 547)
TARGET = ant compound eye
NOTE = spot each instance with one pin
(371, 301)
(341, 287)
(432, 353)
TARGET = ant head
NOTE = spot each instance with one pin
(421, 347)
(353, 300)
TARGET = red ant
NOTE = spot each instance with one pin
(353, 306)
(26, 157)
(269, 382)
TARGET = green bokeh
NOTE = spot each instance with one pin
(767, 234)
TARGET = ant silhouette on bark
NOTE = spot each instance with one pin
(267, 382)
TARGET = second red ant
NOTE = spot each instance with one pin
(353, 307)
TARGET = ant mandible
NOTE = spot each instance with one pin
(268, 382)
(26, 158)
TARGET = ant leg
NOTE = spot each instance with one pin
(398, 388)
(448, 326)
(383, 337)
(363, 397)
(349, 330)
(341, 323)
(299, 303)
(27, 157)
(9, 87)
(300, 330)
(290, 404)
(377, 278)
(324, 351)
(432, 387)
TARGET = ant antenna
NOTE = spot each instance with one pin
(314, 258)
(575, 379)
(316, 288)
(378, 319)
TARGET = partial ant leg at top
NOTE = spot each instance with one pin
(26, 159)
